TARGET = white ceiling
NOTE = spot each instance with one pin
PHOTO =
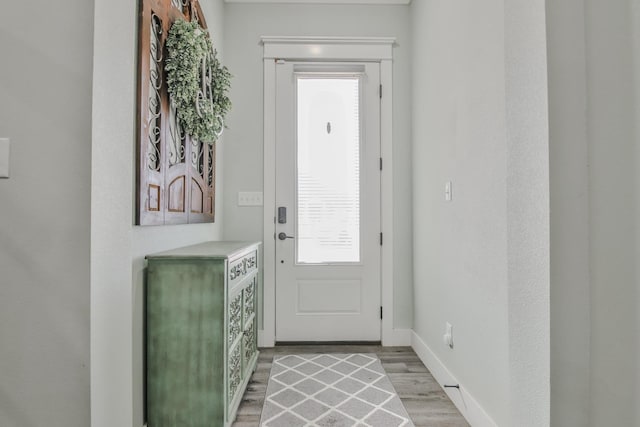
(323, 1)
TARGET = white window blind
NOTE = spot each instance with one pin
(328, 169)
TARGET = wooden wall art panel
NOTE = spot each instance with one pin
(176, 173)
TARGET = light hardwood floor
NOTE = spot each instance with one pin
(421, 395)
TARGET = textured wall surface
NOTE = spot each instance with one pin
(45, 109)
(527, 212)
(481, 261)
(460, 247)
(117, 246)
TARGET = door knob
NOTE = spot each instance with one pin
(283, 236)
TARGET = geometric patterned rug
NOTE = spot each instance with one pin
(337, 390)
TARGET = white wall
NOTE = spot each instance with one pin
(117, 246)
(528, 216)
(460, 251)
(45, 108)
(244, 24)
(570, 290)
(479, 120)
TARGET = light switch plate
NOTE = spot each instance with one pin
(4, 157)
(250, 198)
(447, 191)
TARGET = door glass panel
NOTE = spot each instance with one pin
(328, 170)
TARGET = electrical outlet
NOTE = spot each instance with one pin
(448, 335)
(250, 198)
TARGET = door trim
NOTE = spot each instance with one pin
(361, 49)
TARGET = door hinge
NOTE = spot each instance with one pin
(279, 61)
(380, 163)
(380, 239)
(380, 312)
(380, 91)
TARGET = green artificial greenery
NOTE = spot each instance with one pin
(188, 45)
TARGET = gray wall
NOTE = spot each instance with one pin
(613, 191)
(481, 260)
(460, 248)
(570, 290)
(636, 73)
(46, 96)
(594, 76)
(244, 24)
(45, 108)
(117, 246)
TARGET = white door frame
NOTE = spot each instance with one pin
(354, 49)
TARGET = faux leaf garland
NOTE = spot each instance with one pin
(196, 80)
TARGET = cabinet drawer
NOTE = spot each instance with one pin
(242, 267)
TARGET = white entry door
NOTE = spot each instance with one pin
(327, 202)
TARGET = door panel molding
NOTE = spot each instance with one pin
(348, 297)
(335, 49)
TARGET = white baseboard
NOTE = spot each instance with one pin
(466, 404)
(397, 338)
(265, 341)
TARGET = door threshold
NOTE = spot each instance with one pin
(319, 343)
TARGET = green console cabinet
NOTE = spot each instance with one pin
(201, 332)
